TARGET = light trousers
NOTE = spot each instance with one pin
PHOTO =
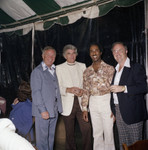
(102, 122)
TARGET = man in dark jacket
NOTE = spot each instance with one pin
(127, 98)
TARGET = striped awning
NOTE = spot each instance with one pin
(42, 14)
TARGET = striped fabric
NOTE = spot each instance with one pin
(128, 134)
(15, 13)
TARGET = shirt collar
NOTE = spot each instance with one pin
(70, 64)
(126, 64)
(46, 67)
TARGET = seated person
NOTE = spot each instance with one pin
(9, 140)
(21, 114)
(2, 106)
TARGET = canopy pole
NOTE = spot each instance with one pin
(146, 52)
(33, 36)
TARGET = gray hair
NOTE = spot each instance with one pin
(46, 48)
(115, 43)
(69, 46)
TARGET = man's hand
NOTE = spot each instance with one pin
(45, 115)
(75, 90)
(85, 116)
(117, 88)
(79, 92)
(112, 116)
(72, 90)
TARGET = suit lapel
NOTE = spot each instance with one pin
(124, 76)
(113, 78)
(48, 75)
(67, 75)
(79, 71)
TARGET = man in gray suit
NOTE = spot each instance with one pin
(46, 101)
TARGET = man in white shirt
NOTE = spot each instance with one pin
(127, 98)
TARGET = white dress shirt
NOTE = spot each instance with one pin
(51, 69)
(117, 78)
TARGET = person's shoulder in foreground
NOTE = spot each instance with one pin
(11, 140)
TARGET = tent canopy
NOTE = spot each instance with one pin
(42, 14)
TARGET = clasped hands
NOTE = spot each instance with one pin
(75, 90)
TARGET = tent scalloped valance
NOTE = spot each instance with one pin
(61, 15)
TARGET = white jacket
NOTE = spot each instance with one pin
(9, 140)
(65, 81)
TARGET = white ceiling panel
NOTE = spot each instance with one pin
(17, 9)
(63, 3)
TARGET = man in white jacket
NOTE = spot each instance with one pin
(70, 77)
(9, 140)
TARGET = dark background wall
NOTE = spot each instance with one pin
(120, 24)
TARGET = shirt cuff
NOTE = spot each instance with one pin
(125, 91)
(84, 108)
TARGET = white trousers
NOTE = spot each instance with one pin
(102, 123)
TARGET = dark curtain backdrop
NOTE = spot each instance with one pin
(15, 64)
(120, 24)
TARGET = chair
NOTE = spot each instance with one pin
(139, 145)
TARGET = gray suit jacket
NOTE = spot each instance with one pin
(45, 92)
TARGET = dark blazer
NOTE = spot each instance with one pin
(132, 104)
